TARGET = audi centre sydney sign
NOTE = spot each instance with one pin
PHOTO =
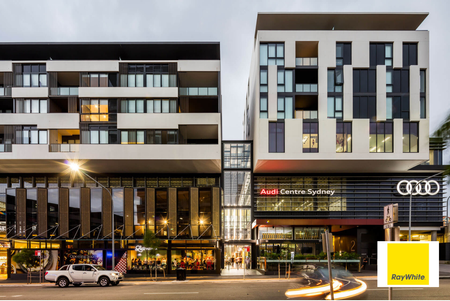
(311, 192)
(414, 187)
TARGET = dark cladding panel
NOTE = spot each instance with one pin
(128, 211)
(21, 201)
(194, 211)
(85, 211)
(216, 211)
(151, 208)
(64, 212)
(173, 212)
(106, 216)
(42, 212)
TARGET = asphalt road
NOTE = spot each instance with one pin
(268, 289)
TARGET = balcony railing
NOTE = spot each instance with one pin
(63, 148)
(5, 148)
(64, 91)
(308, 114)
(306, 88)
(198, 91)
(2, 91)
(306, 61)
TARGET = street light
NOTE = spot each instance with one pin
(76, 168)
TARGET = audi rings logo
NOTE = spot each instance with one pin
(414, 187)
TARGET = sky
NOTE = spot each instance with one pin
(230, 22)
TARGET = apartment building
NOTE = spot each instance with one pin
(141, 119)
(338, 112)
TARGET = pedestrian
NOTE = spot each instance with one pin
(232, 262)
(182, 265)
(364, 263)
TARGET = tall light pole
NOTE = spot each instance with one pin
(413, 188)
(75, 167)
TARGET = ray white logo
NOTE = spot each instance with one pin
(415, 187)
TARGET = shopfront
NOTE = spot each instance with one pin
(237, 256)
(4, 247)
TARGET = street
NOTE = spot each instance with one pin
(267, 289)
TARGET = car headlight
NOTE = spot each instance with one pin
(114, 274)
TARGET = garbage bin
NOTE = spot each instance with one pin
(181, 274)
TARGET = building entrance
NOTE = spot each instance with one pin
(237, 256)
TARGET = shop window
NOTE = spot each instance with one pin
(183, 219)
(275, 233)
(381, 137)
(343, 137)
(410, 137)
(205, 212)
(161, 212)
(193, 259)
(310, 137)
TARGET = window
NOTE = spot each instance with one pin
(380, 139)
(96, 211)
(155, 75)
(400, 81)
(410, 137)
(94, 110)
(271, 54)
(162, 137)
(381, 54)
(364, 81)
(397, 107)
(31, 135)
(285, 81)
(162, 106)
(98, 136)
(132, 106)
(98, 80)
(335, 80)
(343, 54)
(263, 81)
(310, 137)
(285, 108)
(343, 137)
(423, 104)
(389, 82)
(364, 107)
(263, 114)
(409, 54)
(276, 137)
(335, 107)
(139, 212)
(34, 75)
(132, 137)
(31, 106)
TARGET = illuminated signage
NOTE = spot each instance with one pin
(140, 248)
(311, 192)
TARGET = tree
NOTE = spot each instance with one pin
(27, 259)
(151, 243)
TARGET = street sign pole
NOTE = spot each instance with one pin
(330, 275)
(390, 232)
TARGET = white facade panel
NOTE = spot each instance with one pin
(43, 121)
(272, 94)
(199, 65)
(29, 92)
(289, 54)
(82, 66)
(165, 121)
(414, 93)
(5, 66)
(381, 93)
(348, 93)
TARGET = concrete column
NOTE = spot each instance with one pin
(433, 235)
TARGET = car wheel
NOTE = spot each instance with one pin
(77, 284)
(104, 281)
(63, 282)
(114, 283)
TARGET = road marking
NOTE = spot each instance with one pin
(174, 293)
(16, 296)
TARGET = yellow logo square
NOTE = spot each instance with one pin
(408, 264)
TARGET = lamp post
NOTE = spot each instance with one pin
(75, 167)
(413, 188)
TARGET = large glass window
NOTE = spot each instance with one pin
(263, 108)
(118, 211)
(271, 54)
(154, 75)
(263, 81)
(31, 106)
(94, 110)
(31, 135)
(335, 80)
(237, 224)
(276, 137)
(139, 212)
(132, 137)
(409, 54)
(310, 137)
(34, 75)
(285, 108)
(237, 188)
(423, 103)
(31, 212)
(275, 233)
(410, 137)
(343, 54)
(237, 155)
(96, 212)
(161, 220)
(11, 212)
(335, 107)
(205, 212)
(343, 137)
(52, 211)
(183, 218)
(364, 107)
(285, 80)
(381, 137)
(74, 213)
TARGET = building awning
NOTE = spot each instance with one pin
(317, 222)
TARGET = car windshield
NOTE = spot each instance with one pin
(64, 267)
(98, 267)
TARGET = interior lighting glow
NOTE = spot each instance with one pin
(74, 166)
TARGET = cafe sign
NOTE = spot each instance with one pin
(307, 192)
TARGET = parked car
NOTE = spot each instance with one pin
(77, 274)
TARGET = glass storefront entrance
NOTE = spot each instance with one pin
(236, 256)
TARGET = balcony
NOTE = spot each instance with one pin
(306, 62)
(198, 91)
(5, 148)
(311, 115)
(306, 88)
(64, 148)
(64, 91)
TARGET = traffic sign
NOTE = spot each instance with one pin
(37, 253)
(387, 226)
